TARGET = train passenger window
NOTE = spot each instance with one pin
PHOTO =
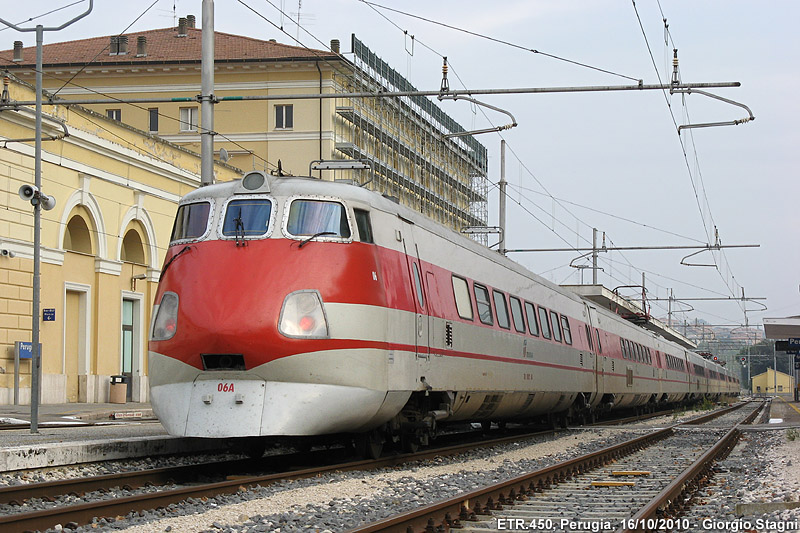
(483, 303)
(316, 217)
(364, 225)
(463, 301)
(516, 314)
(191, 221)
(248, 217)
(501, 309)
(599, 346)
(544, 322)
(567, 332)
(556, 326)
(533, 325)
(418, 286)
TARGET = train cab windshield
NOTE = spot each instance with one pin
(318, 217)
(191, 221)
(248, 217)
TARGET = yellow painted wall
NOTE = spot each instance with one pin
(117, 179)
(768, 380)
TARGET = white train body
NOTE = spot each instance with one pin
(380, 320)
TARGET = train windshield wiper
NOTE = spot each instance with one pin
(172, 259)
(320, 234)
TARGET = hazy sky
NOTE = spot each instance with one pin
(613, 161)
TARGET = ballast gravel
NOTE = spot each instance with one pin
(338, 501)
(764, 467)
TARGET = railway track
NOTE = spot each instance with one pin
(164, 486)
(625, 487)
(155, 488)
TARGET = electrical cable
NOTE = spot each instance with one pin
(31, 19)
(500, 41)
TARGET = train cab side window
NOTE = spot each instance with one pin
(544, 322)
(556, 326)
(247, 217)
(317, 217)
(516, 314)
(191, 221)
(418, 286)
(624, 348)
(483, 303)
(463, 301)
(567, 331)
(501, 309)
(533, 325)
(589, 336)
(364, 225)
(599, 346)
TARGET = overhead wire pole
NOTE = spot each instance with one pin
(502, 216)
(37, 200)
(207, 98)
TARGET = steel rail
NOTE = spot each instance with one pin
(85, 512)
(675, 497)
(450, 514)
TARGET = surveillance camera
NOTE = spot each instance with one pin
(7, 253)
(28, 192)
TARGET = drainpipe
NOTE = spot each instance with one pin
(320, 114)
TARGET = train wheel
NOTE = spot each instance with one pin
(254, 447)
(409, 442)
(370, 445)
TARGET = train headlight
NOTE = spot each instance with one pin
(302, 316)
(165, 323)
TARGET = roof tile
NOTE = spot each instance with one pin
(163, 45)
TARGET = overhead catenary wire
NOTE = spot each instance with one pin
(56, 10)
(523, 165)
(709, 227)
(500, 41)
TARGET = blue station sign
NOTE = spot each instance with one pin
(25, 349)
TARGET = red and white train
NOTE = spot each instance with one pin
(294, 306)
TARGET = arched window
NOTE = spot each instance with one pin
(132, 248)
(78, 237)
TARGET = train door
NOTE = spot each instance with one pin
(419, 293)
(599, 359)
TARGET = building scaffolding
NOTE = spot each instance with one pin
(403, 138)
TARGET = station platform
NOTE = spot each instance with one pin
(784, 412)
(83, 432)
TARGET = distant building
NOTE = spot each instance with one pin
(765, 384)
(403, 139)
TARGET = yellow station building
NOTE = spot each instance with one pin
(771, 383)
(116, 191)
(119, 174)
